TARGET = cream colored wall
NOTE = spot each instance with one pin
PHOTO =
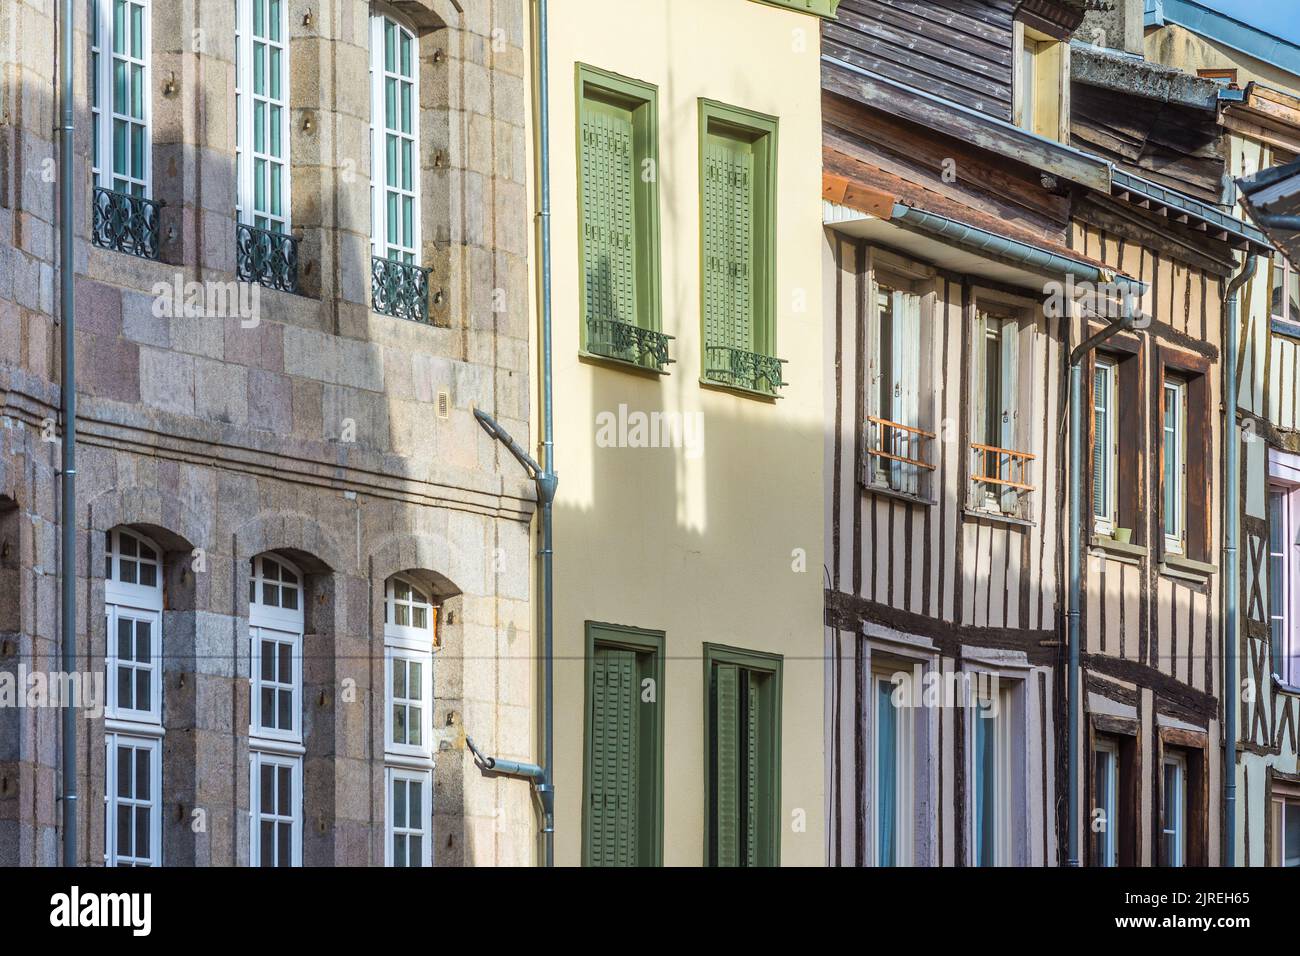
(703, 547)
(1179, 47)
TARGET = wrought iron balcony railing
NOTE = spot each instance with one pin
(266, 257)
(125, 223)
(626, 342)
(399, 289)
(741, 369)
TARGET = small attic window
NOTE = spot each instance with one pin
(1227, 78)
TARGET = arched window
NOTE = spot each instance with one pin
(410, 622)
(133, 601)
(275, 624)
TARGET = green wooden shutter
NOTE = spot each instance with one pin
(616, 758)
(750, 743)
(608, 212)
(726, 763)
(728, 243)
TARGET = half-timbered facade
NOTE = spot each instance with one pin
(987, 206)
(947, 209)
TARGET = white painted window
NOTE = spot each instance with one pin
(1286, 831)
(276, 800)
(1106, 813)
(1175, 464)
(1105, 447)
(276, 621)
(1284, 297)
(394, 140)
(995, 777)
(893, 397)
(262, 113)
(133, 601)
(1281, 570)
(893, 755)
(1001, 465)
(120, 100)
(410, 622)
(132, 800)
(409, 813)
(1173, 833)
(1040, 76)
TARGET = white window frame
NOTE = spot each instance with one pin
(247, 156)
(898, 370)
(281, 626)
(1015, 334)
(904, 777)
(1278, 264)
(269, 621)
(138, 73)
(1040, 79)
(256, 761)
(1011, 753)
(410, 644)
(112, 801)
(1282, 585)
(425, 830)
(407, 247)
(1280, 805)
(1175, 396)
(1108, 803)
(133, 601)
(1175, 819)
(1105, 407)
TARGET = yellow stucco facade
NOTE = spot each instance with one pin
(718, 540)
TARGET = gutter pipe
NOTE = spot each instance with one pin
(543, 474)
(1231, 568)
(68, 469)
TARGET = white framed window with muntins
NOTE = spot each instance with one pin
(133, 604)
(1175, 465)
(275, 624)
(262, 114)
(410, 628)
(1105, 447)
(121, 105)
(394, 140)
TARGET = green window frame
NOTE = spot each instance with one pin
(738, 150)
(618, 211)
(742, 757)
(623, 765)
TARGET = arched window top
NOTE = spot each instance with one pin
(132, 562)
(275, 587)
(409, 613)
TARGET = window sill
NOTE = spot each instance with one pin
(887, 492)
(1284, 687)
(1282, 327)
(740, 390)
(1000, 517)
(1128, 553)
(1177, 566)
(619, 365)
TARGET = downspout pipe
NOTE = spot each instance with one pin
(1231, 560)
(547, 480)
(68, 470)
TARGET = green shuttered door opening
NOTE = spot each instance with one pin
(616, 758)
(741, 753)
(728, 242)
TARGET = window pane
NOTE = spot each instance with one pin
(124, 687)
(416, 797)
(416, 850)
(285, 672)
(124, 629)
(886, 775)
(124, 772)
(285, 718)
(399, 724)
(286, 790)
(268, 844)
(399, 803)
(266, 784)
(143, 690)
(414, 716)
(143, 642)
(399, 850)
(1291, 828)
(285, 832)
(143, 755)
(414, 681)
(125, 845)
(141, 832)
(399, 677)
(149, 575)
(290, 596)
(268, 660)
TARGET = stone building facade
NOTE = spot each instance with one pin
(230, 429)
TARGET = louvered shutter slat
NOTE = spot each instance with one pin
(726, 784)
(615, 837)
(728, 242)
(608, 212)
(751, 772)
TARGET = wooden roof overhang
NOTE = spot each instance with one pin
(967, 125)
(1185, 211)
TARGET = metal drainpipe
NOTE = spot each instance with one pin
(1072, 696)
(1231, 532)
(547, 480)
(68, 388)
